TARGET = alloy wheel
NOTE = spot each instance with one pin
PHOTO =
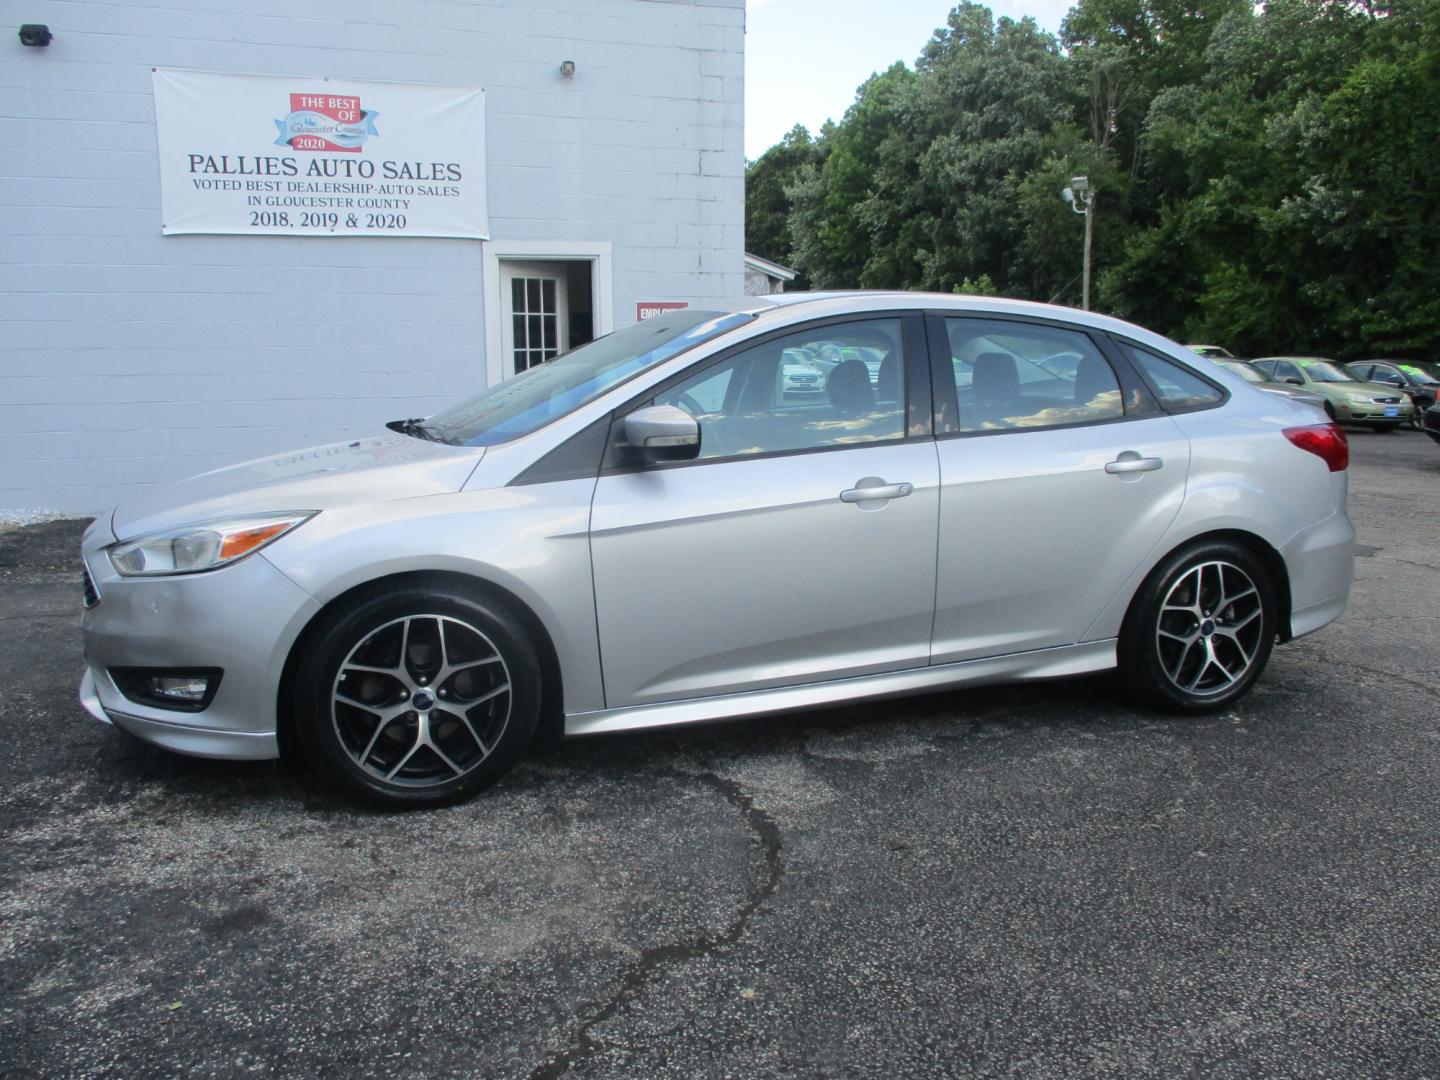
(1208, 633)
(421, 700)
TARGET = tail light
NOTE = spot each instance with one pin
(1325, 441)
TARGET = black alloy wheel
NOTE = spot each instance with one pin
(1200, 630)
(418, 697)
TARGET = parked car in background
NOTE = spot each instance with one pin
(1417, 383)
(1348, 399)
(1430, 422)
(800, 374)
(1212, 352)
(1251, 374)
(609, 541)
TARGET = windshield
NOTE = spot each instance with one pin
(1325, 371)
(534, 398)
(1419, 376)
(1245, 371)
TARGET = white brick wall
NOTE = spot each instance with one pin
(128, 358)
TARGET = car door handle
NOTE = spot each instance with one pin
(878, 491)
(1131, 462)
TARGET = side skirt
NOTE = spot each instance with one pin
(1055, 663)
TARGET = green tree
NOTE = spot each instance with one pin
(767, 206)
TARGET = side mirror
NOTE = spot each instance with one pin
(662, 433)
(1394, 380)
(1293, 380)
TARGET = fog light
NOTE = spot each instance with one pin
(182, 689)
(187, 688)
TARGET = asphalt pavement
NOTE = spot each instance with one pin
(1035, 881)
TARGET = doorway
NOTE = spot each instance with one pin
(543, 299)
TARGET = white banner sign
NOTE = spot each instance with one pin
(319, 157)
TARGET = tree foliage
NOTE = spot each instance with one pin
(1266, 178)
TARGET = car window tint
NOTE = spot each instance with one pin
(834, 385)
(1016, 376)
(1176, 386)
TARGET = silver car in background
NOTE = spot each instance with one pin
(1269, 384)
(656, 529)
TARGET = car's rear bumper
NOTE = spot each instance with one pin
(1321, 565)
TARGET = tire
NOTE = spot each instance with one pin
(1330, 410)
(466, 659)
(1176, 652)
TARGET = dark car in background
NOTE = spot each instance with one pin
(1430, 422)
(1418, 381)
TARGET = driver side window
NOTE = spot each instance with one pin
(836, 384)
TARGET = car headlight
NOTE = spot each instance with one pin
(1358, 399)
(190, 549)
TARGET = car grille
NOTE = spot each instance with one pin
(92, 594)
(1386, 400)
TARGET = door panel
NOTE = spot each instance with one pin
(737, 575)
(1036, 536)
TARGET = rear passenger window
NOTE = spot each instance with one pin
(837, 384)
(1175, 385)
(1018, 376)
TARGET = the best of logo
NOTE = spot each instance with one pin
(329, 122)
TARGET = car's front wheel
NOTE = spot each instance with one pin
(417, 696)
(1200, 630)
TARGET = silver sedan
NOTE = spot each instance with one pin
(650, 530)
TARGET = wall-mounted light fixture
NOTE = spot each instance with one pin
(36, 35)
(567, 68)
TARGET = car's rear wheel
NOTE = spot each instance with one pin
(418, 696)
(1200, 630)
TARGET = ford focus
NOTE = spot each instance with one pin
(656, 529)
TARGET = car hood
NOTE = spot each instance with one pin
(1343, 388)
(316, 478)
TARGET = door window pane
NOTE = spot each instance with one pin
(834, 385)
(1016, 376)
(1177, 387)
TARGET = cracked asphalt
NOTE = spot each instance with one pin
(1036, 881)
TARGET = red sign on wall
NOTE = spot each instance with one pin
(328, 122)
(648, 309)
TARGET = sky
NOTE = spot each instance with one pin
(804, 59)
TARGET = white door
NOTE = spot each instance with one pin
(535, 325)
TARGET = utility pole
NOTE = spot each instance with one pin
(1082, 200)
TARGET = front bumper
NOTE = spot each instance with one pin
(1375, 414)
(242, 618)
(179, 736)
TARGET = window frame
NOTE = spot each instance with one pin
(917, 413)
(947, 402)
(1119, 340)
